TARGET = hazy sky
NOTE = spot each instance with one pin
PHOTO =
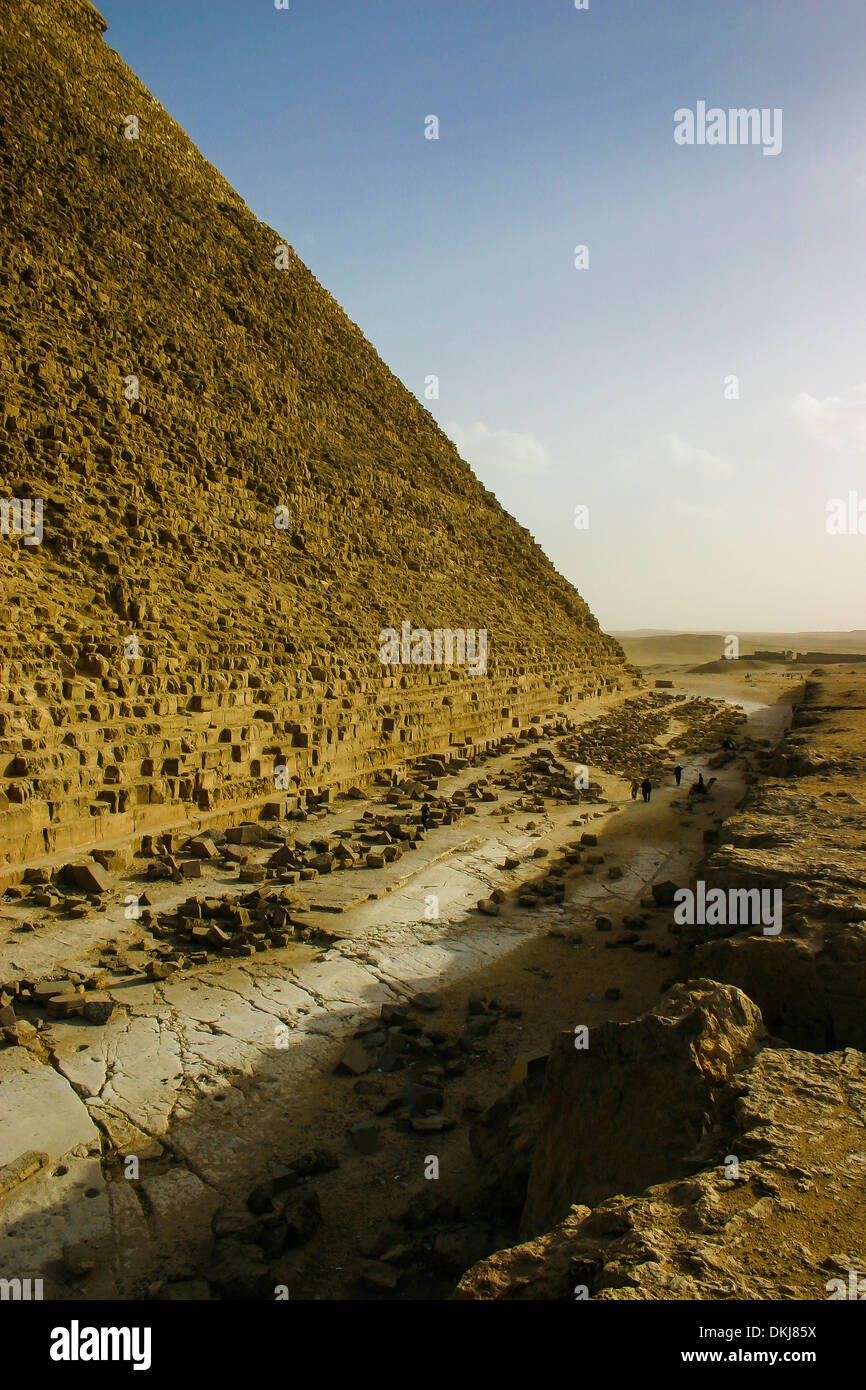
(602, 386)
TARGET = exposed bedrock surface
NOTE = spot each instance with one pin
(624, 1111)
(776, 1212)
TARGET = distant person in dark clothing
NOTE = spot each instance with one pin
(728, 744)
(425, 815)
(678, 774)
(700, 786)
(646, 787)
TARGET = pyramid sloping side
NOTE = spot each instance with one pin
(258, 402)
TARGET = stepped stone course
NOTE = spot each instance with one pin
(225, 536)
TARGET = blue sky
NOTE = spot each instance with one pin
(602, 386)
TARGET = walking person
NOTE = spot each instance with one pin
(646, 787)
(635, 788)
(425, 815)
(678, 774)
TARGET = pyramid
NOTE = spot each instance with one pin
(215, 497)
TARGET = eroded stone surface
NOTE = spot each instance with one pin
(37, 1102)
(627, 1109)
(790, 1220)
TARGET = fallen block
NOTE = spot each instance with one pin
(203, 848)
(27, 1165)
(62, 1005)
(44, 990)
(90, 878)
(115, 860)
(100, 1011)
(528, 1066)
(356, 1059)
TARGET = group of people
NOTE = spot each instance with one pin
(645, 787)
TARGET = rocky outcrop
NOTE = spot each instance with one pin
(804, 836)
(235, 496)
(775, 1212)
(627, 1109)
(767, 1203)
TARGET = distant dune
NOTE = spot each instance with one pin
(720, 667)
(651, 647)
